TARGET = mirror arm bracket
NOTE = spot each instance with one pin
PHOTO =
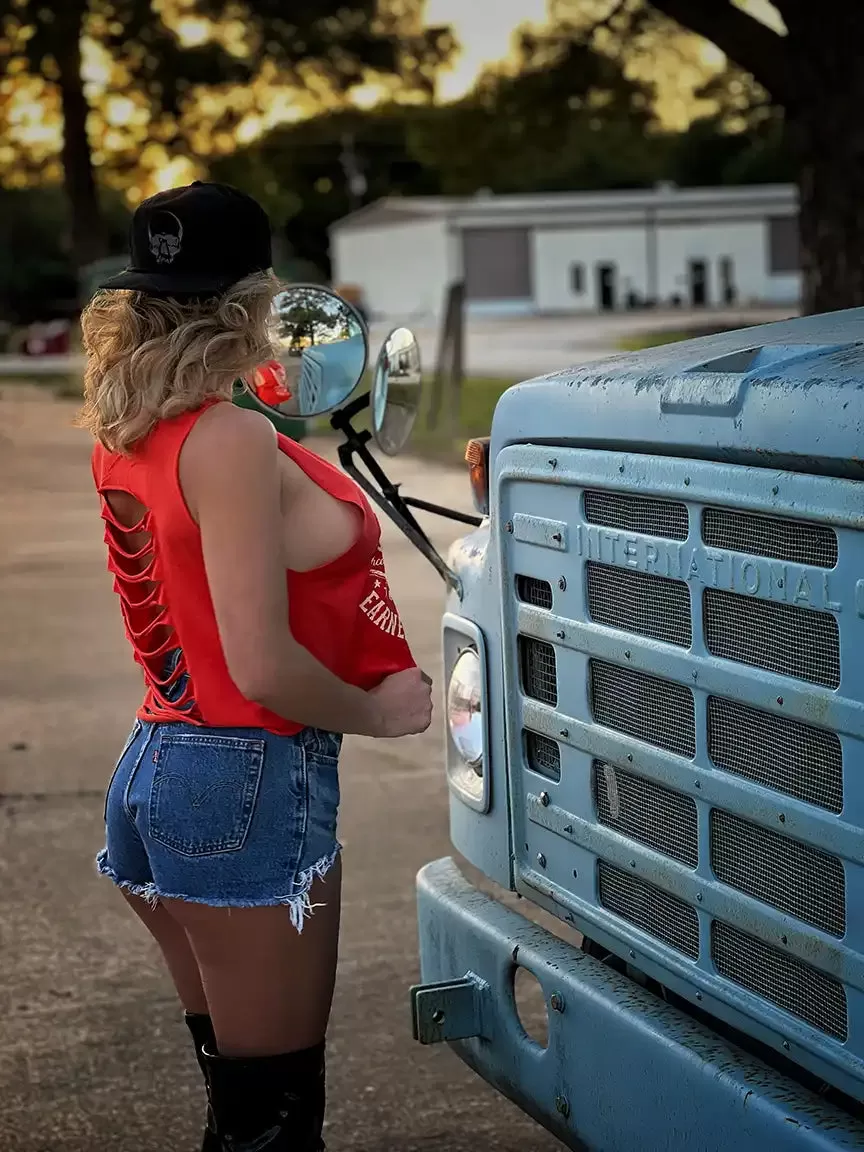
(440, 510)
(387, 496)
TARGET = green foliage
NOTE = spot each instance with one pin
(568, 118)
(38, 280)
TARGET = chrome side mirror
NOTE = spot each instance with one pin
(322, 352)
(396, 391)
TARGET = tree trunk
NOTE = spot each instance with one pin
(79, 181)
(830, 140)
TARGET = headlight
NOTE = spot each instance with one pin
(464, 709)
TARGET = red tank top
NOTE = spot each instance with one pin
(341, 612)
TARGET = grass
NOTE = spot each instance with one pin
(638, 341)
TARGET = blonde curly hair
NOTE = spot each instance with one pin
(150, 357)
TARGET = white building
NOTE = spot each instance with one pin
(574, 251)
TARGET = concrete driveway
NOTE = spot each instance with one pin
(93, 1053)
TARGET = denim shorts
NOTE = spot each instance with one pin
(231, 817)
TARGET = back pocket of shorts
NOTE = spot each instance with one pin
(202, 798)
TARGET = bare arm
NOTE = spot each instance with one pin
(230, 477)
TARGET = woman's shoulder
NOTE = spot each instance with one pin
(228, 427)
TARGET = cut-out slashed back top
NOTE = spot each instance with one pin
(341, 612)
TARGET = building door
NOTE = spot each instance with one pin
(728, 292)
(606, 287)
(698, 279)
(497, 264)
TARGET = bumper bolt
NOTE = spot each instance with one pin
(556, 1002)
(544, 799)
(562, 1106)
(541, 859)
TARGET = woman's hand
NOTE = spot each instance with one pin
(403, 704)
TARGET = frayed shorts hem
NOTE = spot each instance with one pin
(299, 903)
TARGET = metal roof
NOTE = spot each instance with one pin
(665, 202)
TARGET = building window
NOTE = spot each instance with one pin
(783, 253)
(577, 279)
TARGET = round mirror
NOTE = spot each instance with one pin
(322, 351)
(396, 391)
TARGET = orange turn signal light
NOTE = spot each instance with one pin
(477, 459)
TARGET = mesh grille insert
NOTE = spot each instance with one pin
(638, 602)
(776, 752)
(656, 711)
(539, 670)
(793, 540)
(645, 811)
(532, 591)
(797, 642)
(543, 755)
(790, 984)
(666, 518)
(662, 916)
(793, 877)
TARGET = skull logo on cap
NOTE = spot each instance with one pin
(165, 243)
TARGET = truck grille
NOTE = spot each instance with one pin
(539, 670)
(662, 916)
(667, 519)
(655, 816)
(639, 602)
(537, 593)
(663, 820)
(543, 755)
(794, 540)
(776, 752)
(790, 984)
(796, 642)
(645, 707)
(797, 879)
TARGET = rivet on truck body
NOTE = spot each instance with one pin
(541, 859)
(544, 799)
(562, 583)
(556, 1002)
(508, 527)
(562, 1106)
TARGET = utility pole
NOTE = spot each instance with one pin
(355, 180)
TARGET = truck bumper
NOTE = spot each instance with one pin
(623, 1071)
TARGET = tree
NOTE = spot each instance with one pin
(565, 117)
(338, 41)
(743, 141)
(298, 171)
(811, 70)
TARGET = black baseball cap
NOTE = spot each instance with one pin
(195, 241)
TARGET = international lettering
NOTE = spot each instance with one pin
(749, 576)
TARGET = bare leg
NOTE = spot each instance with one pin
(177, 951)
(268, 987)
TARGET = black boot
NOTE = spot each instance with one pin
(201, 1028)
(269, 1103)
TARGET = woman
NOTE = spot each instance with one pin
(252, 587)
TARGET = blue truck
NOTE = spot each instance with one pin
(654, 673)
